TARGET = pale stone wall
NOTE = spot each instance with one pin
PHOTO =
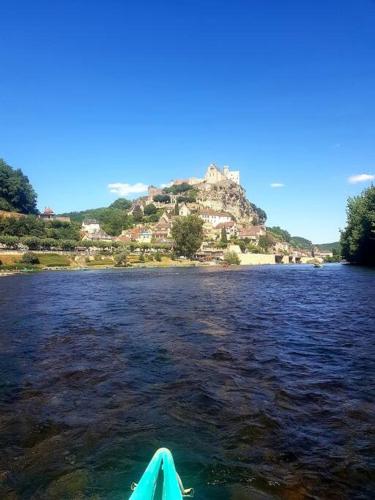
(252, 259)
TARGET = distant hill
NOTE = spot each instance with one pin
(329, 247)
(299, 242)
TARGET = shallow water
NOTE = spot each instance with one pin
(260, 380)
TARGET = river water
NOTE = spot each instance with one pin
(260, 380)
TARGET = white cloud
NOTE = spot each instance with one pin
(354, 179)
(277, 185)
(166, 185)
(124, 189)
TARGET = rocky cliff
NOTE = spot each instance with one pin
(229, 197)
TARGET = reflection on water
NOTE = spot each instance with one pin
(258, 379)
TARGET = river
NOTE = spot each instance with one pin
(259, 379)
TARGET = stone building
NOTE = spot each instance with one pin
(49, 214)
(215, 175)
(213, 217)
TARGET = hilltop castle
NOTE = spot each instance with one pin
(214, 174)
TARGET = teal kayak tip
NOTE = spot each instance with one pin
(172, 487)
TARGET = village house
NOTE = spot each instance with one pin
(183, 210)
(140, 234)
(213, 217)
(231, 228)
(252, 233)
(91, 230)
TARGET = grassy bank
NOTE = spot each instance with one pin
(12, 263)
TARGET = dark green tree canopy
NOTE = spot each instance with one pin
(283, 234)
(16, 192)
(187, 233)
(299, 242)
(162, 198)
(150, 209)
(358, 238)
(121, 204)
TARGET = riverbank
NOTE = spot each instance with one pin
(12, 263)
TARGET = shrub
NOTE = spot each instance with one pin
(232, 258)
(158, 257)
(121, 259)
(29, 258)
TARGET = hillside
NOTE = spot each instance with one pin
(329, 247)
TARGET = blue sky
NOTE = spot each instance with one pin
(101, 92)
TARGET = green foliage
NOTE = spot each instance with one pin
(30, 258)
(162, 198)
(10, 241)
(260, 214)
(32, 242)
(358, 238)
(16, 192)
(111, 220)
(121, 204)
(329, 247)
(279, 233)
(232, 258)
(33, 227)
(266, 241)
(187, 233)
(252, 248)
(158, 257)
(299, 242)
(178, 188)
(121, 259)
(189, 197)
(137, 214)
(142, 258)
(223, 237)
(150, 209)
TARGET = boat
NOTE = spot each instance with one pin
(172, 487)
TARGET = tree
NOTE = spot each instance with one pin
(138, 214)
(121, 259)
(299, 242)
(16, 192)
(162, 198)
(224, 238)
(261, 215)
(150, 209)
(358, 238)
(30, 258)
(232, 258)
(187, 233)
(121, 204)
(266, 241)
(280, 233)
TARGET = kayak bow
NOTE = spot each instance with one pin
(172, 484)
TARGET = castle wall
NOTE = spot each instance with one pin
(253, 259)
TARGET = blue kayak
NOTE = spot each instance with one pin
(172, 488)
